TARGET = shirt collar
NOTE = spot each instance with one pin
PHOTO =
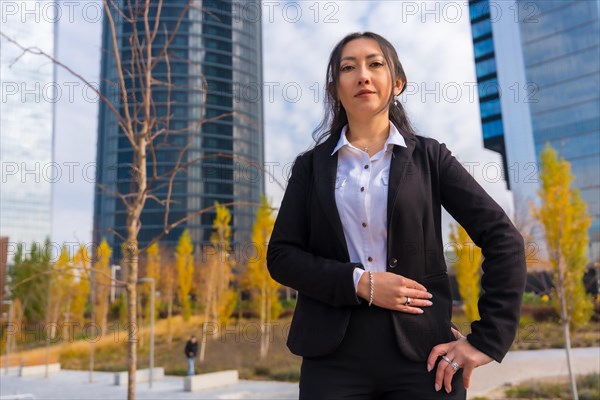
(394, 138)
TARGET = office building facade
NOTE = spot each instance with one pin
(215, 66)
(27, 121)
(538, 74)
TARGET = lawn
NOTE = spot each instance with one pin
(237, 347)
(588, 388)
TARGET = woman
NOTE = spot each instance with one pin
(358, 235)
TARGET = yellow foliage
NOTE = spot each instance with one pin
(221, 297)
(565, 219)
(59, 295)
(184, 262)
(81, 288)
(466, 267)
(264, 290)
(152, 270)
(102, 283)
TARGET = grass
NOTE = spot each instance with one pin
(237, 347)
(588, 388)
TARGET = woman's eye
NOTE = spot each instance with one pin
(346, 68)
(377, 64)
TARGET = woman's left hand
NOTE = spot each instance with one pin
(460, 352)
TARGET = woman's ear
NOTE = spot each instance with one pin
(399, 87)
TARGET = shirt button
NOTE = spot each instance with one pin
(366, 167)
(364, 224)
(362, 189)
(370, 259)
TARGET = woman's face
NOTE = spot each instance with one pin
(365, 81)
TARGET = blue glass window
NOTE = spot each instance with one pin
(492, 129)
(489, 87)
(490, 108)
(478, 9)
(484, 47)
(487, 67)
(481, 28)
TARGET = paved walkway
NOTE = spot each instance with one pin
(67, 384)
(516, 367)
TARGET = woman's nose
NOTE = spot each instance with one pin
(363, 77)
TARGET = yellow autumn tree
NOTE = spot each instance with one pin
(220, 295)
(225, 296)
(264, 291)
(167, 290)
(59, 294)
(184, 262)
(466, 265)
(81, 284)
(564, 217)
(152, 270)
(102, 283)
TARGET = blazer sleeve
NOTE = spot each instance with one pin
(288, 259)
(504, 269)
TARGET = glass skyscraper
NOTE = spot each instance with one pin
(538, 74)
(27, 128)
(215, 63)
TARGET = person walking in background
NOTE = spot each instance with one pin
(359, 236)
(191, 350)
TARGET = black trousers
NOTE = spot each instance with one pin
(368, 365)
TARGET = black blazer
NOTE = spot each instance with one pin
(308, 252)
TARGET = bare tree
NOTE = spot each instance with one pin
(145, 128)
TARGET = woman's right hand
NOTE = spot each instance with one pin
(392, 290)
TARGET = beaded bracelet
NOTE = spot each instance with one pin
(371, 288)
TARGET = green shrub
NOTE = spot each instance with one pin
(287, 374)
(262, 370)
(588, 387)
(530, 298)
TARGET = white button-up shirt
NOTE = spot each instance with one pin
(361, 190)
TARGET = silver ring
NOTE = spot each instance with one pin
(407, 303)
(454, 365)
(449, 361)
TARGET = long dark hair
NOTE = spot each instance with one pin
(335, 116)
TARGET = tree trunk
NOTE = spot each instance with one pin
(169, 316)
(263, 315)
(141, 323)
(269, 319)
(132, 339)
(93, 323)
(131, 260)
(564, 316)
(203, 343)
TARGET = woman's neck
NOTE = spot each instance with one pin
(368, 130)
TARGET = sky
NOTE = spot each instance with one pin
(432, 40)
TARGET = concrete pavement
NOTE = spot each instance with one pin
(66, 385)
(516, 367)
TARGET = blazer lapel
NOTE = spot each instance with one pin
(400, 164)
(324, 174)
